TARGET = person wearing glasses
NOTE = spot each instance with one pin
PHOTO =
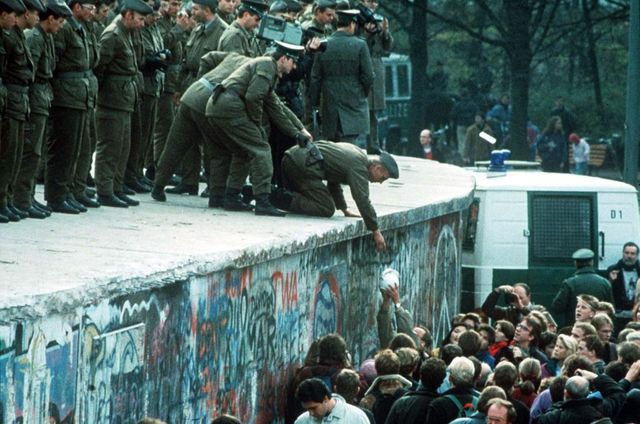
(623, 276)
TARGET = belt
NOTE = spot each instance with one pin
(23, 89)
(73, 75)
(206, 83)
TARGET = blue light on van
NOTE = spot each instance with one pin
(498, 157)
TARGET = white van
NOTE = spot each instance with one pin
(525, 225)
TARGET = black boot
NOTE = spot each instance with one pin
(9, 215)
(3, 219)
(233, 201)
(216, 201)
(264, 206)
(128, 200)
(281, 198)
(183, 189)
(71, 200)
(158, 193)
(16, 211)
(63, 207)
(87, 202)
(43, 208)
(112, 201)
(34, 212)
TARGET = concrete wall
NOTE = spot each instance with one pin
(225, 342)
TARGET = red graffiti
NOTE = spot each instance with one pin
(288, 289)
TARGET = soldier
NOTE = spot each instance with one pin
(8, 10)
(203, 39)
(71, 99)
(42, 51)
(380, 42)
(342, 163)
(227, 10)
(324, 13)
(237, 114)
(239, 36)
(173, 28)
(117, 72)
(343, 76)
(17, 78)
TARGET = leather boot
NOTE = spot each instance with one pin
(137, 186)
(63, 207)
(216, 201)
(112, 201)
(87, 202)
(34, 212)
(233, 202)
(264, 206)
(9, 215)
(158, 193)
(128, 200)
(71, 200)
(281, 198)
(43, 208)
(183, 189)
(3, 219)
(16, 211)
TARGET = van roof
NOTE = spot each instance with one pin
(546, 181)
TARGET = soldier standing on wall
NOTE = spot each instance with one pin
(342, 76)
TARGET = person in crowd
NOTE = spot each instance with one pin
(480, 416)
(321, 404)
(412, 407)
(585, 281)
(341, 87)
(346, 383)
(501, 411)
(425, 142)
(552, 146)
(504, 332)
(475, 147)
(392, 318)
(625, 283)
(462, 115)
(604, 327)
(548, 342)
(526, 339)
(471, 344)
(322, 18)
(580, 154)
(578, 407)
(530, 377)
(518, 299)
(388, 386)
(454, 334)
(582, 329)
(593, 349)
(409, 362)
(239, 36)
(448, 407)
(226, 10)
(586, 307)
(505, 376)
(565, 346)
(499, 118)
(338, 163)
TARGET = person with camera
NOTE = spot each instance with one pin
(324, 13)
(379, 40)
(342, 76)
(518, 299)
(239, 37)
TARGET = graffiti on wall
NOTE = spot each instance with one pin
(229, 342)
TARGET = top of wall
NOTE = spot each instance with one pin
(68, 261)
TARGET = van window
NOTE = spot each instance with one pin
(470, 225)
(403, 81)
(559, 225)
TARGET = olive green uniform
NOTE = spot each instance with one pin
(585, 281)
(89, 137)
(203, 39)
(238, 113)
(343, 163)
(40, 95)
(239, 40)
(71, 99)
(173, 38)
(17, 77)
(132, 173)
(380, 44)
(117, 72)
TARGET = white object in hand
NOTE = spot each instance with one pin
(487, 137)
(390, 277)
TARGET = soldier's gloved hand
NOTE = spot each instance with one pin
(302, 139)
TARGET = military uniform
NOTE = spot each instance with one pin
(203, 39)
(72, 97)
(380, 44)
(117, 72)
(343, 76)
(343, 163)
(42, 52)
(238, 114)
(237, 39)
(172, 38)
(17, 78)
(312, 24)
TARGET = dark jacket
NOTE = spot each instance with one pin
(620, 300)
(411, 408)
(587, 410)
(443, 410)
(510, 313)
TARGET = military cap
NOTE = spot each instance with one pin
(211, 4)
(35, 5)
(72, 2)
(136, 6)
(58, 8)
(390, 164)
(290, 50)
(14, 5)
(583, 254)
(347, 14)
(327, 4)
(284, 6)
(257, 7)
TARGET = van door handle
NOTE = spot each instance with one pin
(526, 233)
(601, 235)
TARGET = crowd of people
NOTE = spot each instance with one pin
(160, 90)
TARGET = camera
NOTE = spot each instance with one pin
(510, 298)
(367, 16)
(273, 28)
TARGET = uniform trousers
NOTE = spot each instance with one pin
(148, 113)
(135, 150)
(112, 151)
(85, 156)
(310, 194)
(10, 156)
(35, 133)
(164, 119)
(67, 135)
